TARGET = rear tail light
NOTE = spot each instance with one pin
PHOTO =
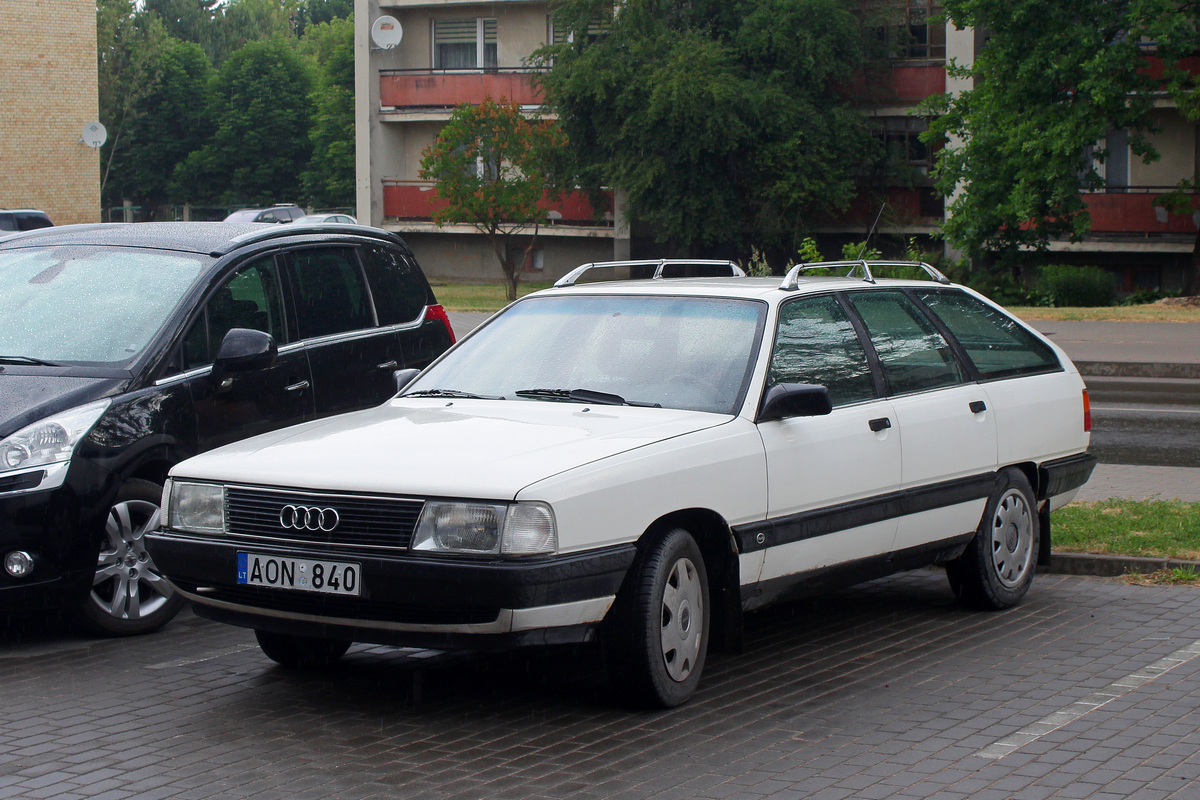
(439, 313)
(1087, 413)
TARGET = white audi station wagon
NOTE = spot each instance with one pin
(638, 460)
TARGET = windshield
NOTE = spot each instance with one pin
(87, 304)
(678, 352)
(243, 215)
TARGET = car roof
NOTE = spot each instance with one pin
(210, 238)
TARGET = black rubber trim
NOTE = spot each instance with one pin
(1064, 474)
(844, 516)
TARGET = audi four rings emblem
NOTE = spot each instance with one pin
(308, 518)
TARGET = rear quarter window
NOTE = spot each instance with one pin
(996, 343)
(397, 283)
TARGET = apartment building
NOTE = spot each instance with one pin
(455, 51)
(48, 93)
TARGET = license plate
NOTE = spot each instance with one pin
(327, 577)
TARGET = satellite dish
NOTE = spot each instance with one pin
(386, 32)
(94, 134)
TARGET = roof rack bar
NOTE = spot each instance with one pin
(861, 267)
(660, 265)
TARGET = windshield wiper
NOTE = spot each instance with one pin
(37, 362)
(584, 396)
(452, 393)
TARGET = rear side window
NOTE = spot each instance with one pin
(815, 343)
(397, 283)
(914, 355)
(330, 293)
(996, 343)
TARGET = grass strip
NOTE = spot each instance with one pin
(1149, 528)
(486, 297)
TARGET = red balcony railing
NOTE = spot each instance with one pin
(426, 88)
(417, 200)
(1134, 211)
(917, 82)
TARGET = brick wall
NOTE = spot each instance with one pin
(47, 94)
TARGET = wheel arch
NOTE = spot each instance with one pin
(719, 548)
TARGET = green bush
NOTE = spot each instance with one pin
(1087, 287)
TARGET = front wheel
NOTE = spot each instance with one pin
(657, 638)
(996, 569)
(129, 596)
(300, 652)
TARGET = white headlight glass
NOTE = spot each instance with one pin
(50, 440)
(459, 527)
(197, 507)
(529, 530)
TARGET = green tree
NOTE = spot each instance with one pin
(726, 122)
(316, 12)
(1053, 79)
(189, 20)
(127, 47)
(171, 121)
(491, 165)
(262, 109)
(329, 178)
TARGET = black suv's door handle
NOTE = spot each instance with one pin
(881, 424)
(297, 387)
(978, 407)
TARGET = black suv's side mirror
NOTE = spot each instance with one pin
(243, 350)
(404, 377)
(794, 400)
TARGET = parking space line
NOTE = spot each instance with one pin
(1097, 699)
(183, 662)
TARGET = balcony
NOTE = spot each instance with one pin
(1132, 212)
(429, 89)
(415, 201)
(915, 82)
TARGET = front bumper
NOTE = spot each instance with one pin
(407, 600)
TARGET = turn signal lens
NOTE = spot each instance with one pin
(1087, 413)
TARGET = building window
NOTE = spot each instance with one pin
(902, 137)
(909, 28)
(464, 44)
(1113, 169)
(560, 35)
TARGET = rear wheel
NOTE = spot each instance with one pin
(128, 595)
(996, 569)
(657, 638)
(300, 652)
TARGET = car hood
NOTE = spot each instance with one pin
(488, 449)
(26, 398)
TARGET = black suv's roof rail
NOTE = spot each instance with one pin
(660, 265)
(792, 280)
(270, 231)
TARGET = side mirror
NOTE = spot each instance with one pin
(404, 377)
(243, 350)
(794, 400)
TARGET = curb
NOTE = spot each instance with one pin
(1111, 566)
(1136, 369)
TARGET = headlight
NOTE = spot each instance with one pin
(51, 440)
(482, 528)
(196, 507)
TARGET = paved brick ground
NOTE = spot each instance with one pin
(888, 690)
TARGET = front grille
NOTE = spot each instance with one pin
(364, 521)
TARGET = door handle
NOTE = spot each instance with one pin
(297, 387)
(388, 365)
(978, 407)
(881, 424)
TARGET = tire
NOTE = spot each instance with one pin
(996, 569)
(300, 652)
(656, 640)
(128, 595)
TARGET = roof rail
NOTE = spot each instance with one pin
(660, 265)
(792, 280)
(276, 230)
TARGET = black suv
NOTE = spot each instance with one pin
(127, 348)
(23, 219)
(280, 212)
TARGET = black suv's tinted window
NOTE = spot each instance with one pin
(815, 343)
(997, 345)
(250, 299)
(914, 355)
(330, 293)
(398, 285)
